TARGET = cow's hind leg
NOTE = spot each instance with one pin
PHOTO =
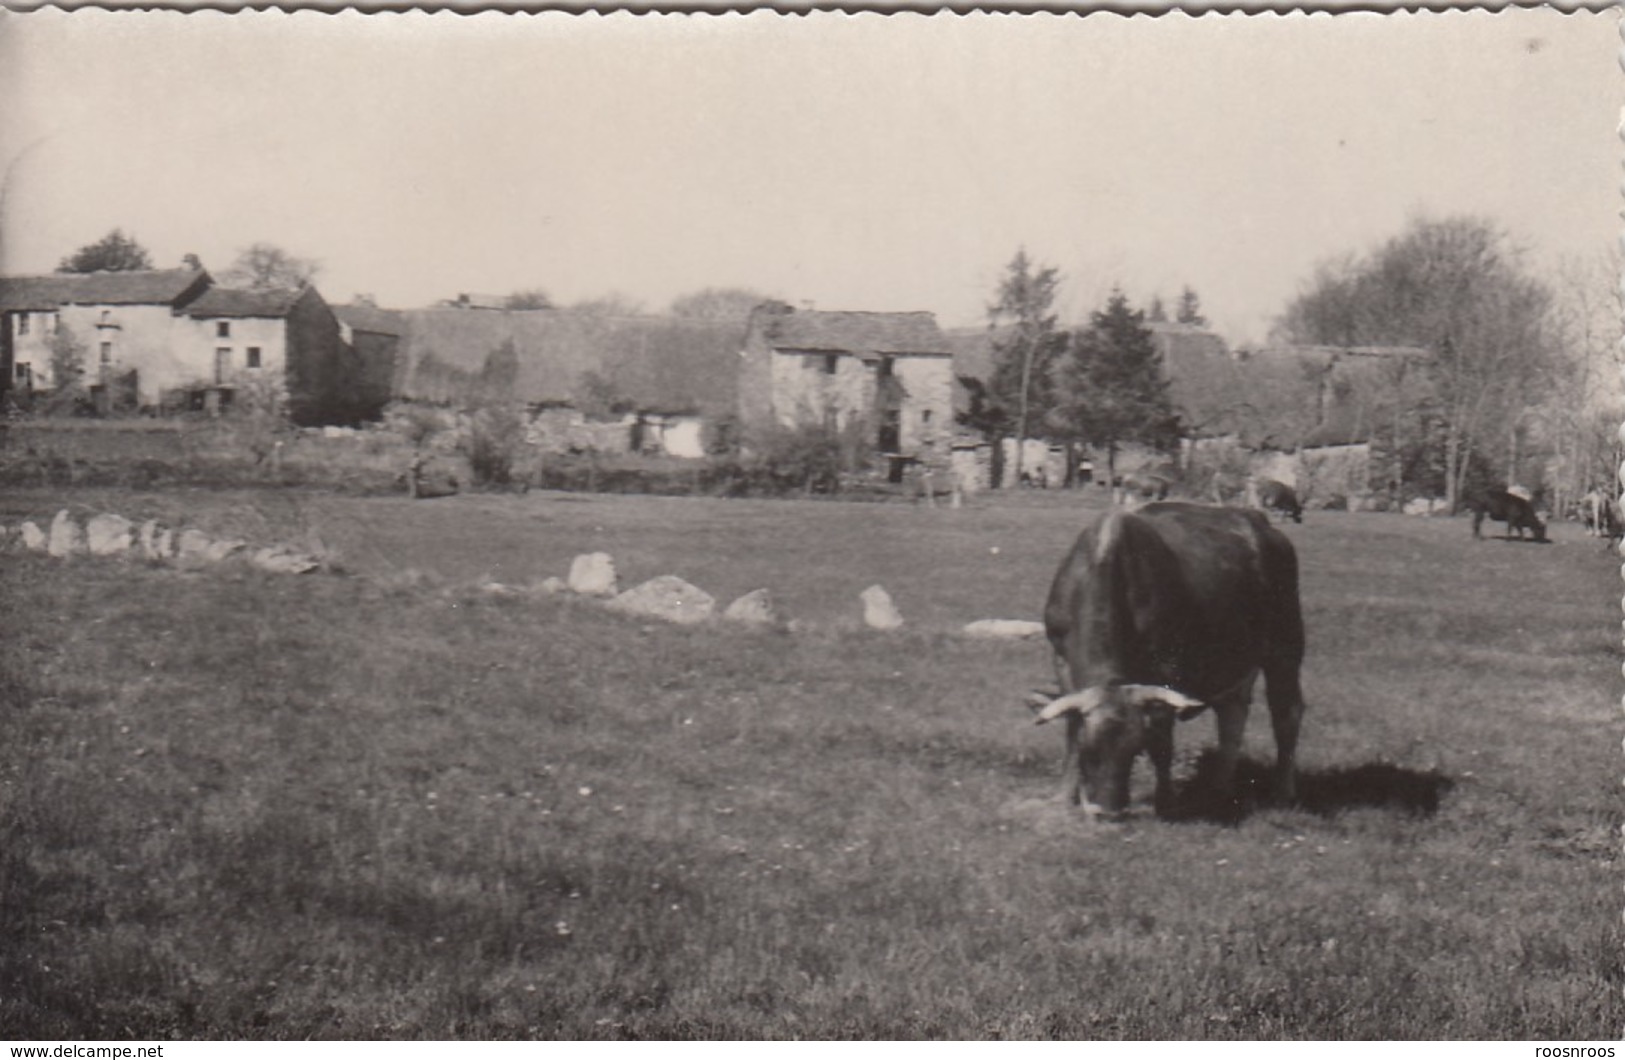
(1285, 698)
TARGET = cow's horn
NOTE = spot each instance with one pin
(1145, 695)
(1082, 702)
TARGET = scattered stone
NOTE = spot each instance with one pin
(163, 543)
(1004, 629)
(34, 538)
(279, 560)
(1423, 506)
(668, 597)
(593, 574)
(108, 535)
(878, 610)
(552, 584)
(67, 538)
(146, 539)
(753, 609)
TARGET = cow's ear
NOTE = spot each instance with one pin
(1157, 697)
(1082, 702)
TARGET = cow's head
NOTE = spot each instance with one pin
(1113, 724)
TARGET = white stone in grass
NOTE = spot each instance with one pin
(34, 538)
(668, 597)
(279, 560)
(552, 584)
(67, 538)
(163, 543)
(1004, 629)
(878, 610)
(755, 608)
(593, 574)
(108, 535)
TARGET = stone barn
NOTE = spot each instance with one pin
(890, 373)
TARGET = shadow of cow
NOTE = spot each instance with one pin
(1323, 792)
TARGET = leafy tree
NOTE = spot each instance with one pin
(1457, 289)
(1156, 313)
(1109, 386)
(1190, 309)
(528, 298)
(1025, 343)
(114, 252)
(266, 266)
(717, 303)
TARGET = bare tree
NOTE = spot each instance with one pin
(1457, 288)
(266, 266)
(717, 303)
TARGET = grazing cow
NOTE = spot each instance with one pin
(1506, 507)
(1279, 497)
(1161, 613)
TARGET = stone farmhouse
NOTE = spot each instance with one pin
(171, 340)
(891, 372)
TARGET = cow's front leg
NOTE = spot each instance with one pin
(1072, 765)
(1232, 718)
(1159, 745)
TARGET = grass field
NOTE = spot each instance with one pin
(236, 805)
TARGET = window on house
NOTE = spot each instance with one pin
(107, 316)
(222, 329)
(24, 370)
(886, 366)
(22, 323)
(925, 415)
(107, 353)
(830, 361)
(53, 323)
(253, 357)
(222, 364)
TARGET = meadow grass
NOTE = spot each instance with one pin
(237, 805)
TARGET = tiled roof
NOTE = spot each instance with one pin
(850, 332)
(144, 287)
(235, 302)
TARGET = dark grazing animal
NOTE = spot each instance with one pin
(1159, 614)
(1279, 497)
(1508, 508)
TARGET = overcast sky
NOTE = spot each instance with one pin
(856, 162)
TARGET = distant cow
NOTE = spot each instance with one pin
(1505, 507)
(1279, 497)
(1156, 615)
